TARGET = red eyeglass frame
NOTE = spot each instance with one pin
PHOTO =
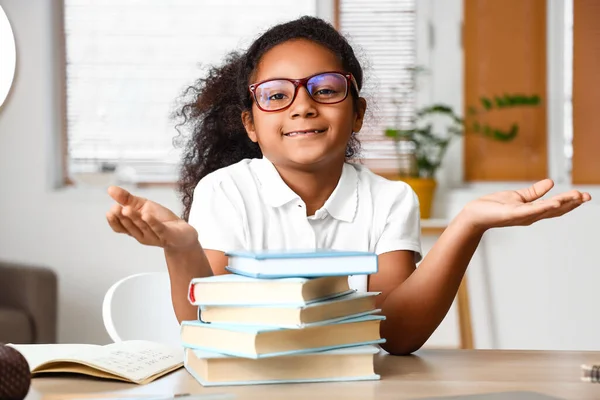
(302, 82)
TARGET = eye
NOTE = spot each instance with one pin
(325, 91)
(277, 96)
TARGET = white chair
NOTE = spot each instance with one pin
(139, 307)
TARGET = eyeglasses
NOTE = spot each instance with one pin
(325, 88)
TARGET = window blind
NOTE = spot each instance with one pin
(129, 60)
(383, 34)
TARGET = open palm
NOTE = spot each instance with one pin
(148, 222)
(524, 206)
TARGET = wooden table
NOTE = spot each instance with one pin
(427, 373)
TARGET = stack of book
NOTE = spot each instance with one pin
(283, 317)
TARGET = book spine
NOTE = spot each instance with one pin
(191, 297)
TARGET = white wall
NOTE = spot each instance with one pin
(64, 229)
(530, 287)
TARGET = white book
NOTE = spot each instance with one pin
(352, 305)
(346, 364)
(231, 289)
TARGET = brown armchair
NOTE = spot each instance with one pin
(28, 304)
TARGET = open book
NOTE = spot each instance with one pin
(135, 361)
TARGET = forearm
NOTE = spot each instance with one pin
(416, 308)
(183, 266)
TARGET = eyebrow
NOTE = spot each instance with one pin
(338, 68)
(289, 77)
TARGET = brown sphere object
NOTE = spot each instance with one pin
(15, 376)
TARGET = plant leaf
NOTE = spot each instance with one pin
(486, 103)
(392, 133)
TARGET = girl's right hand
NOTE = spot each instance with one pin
(149, 222)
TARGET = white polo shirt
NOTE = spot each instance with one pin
(248, 206)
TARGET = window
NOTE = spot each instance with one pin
(500, 60)
(557, 139)
(127, 63)
(568, 84)
(383, 34)
(586, 97)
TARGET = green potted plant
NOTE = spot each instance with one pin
(422, 141)
(420, 150)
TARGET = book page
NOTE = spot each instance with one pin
(37, 354)
(135, 360)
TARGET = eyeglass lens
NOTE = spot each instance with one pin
(323, 88)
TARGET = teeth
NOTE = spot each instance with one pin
(302, 133)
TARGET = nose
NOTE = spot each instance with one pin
(303, 105)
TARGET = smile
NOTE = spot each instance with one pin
(304, 133)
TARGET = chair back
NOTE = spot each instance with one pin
(139, 307)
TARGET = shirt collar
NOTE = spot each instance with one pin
(341, 205)
(276, 192)
(343, 202)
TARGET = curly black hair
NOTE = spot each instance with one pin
(212, 111)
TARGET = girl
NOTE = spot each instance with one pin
(266, 168)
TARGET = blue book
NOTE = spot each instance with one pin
(301, 263)
(264, 341)
(215, 369)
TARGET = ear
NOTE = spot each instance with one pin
(359, 115)
(249, 125)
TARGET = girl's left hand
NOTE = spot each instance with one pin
(521, 207)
